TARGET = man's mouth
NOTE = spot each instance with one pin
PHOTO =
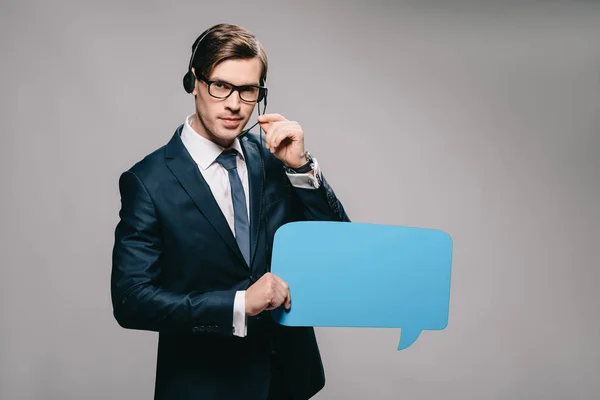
(231, 122)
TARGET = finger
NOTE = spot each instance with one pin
(289, 131)
(266, 127)
(284, 138)
(287, 295)
(282, 284)
(274, 128)
(266, 118)
(277, 296)
(277, 279)
(288, 300)
(275, 302)
(276, 292)
(281, 295)
(267, 121)
(269, 134)
(269, 130)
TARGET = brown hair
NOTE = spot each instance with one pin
(225, 42)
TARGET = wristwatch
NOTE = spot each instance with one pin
(304, 168)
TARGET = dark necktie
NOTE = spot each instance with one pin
(242, 228)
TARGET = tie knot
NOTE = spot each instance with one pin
(228, 159)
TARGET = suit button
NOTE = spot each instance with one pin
(196, 329)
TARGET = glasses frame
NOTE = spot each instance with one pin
(262, 90)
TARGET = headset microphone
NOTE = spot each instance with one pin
(245, 131)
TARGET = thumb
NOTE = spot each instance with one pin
(288, 300)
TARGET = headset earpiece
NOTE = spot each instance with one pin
(263, 96)
(189, 81)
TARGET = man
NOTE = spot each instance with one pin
(192, 247)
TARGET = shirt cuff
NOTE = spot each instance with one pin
(307, 180)
(239, 314)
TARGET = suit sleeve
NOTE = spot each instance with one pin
(138, 298)
(321, 203)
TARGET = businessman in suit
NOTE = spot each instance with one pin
(192, 247)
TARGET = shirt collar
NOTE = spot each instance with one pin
(203, 151)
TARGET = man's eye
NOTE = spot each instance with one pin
(221, 85)
(249, 89)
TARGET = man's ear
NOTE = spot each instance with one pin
(194, 92)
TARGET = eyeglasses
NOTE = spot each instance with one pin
(222, 90)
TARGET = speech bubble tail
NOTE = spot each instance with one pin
(408, 337)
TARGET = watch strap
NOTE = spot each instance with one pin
(303, 168)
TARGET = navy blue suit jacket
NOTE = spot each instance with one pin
(176, 268)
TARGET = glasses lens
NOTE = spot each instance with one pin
(249, 93)
(219, 89)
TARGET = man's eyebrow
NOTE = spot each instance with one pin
(216, 78)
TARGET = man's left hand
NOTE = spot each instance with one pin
(284, 138)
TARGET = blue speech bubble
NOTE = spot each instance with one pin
(347, 274)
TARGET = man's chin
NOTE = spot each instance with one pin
(230, 133)
(226, 136)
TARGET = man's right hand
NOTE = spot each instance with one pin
(267, 293)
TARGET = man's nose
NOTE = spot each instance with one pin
(233, 101)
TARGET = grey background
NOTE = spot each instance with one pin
(477, 118)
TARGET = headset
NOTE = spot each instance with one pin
(189, 81)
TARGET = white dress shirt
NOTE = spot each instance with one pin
(205, 152)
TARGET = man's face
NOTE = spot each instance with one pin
(221, 120)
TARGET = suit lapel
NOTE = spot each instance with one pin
(254, 164)
(186, 171)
